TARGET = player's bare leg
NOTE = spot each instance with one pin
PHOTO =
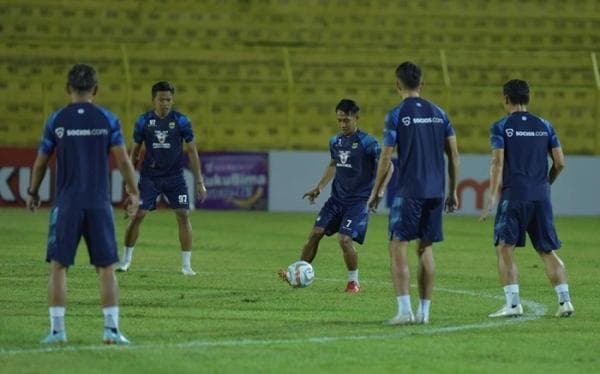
(557, 274)
(509, 277)
(131, 235)
(109, 296)
(309, 251)
(400, 278)
(185, 239)
(425, 279)
(57, 297)
(351, 260)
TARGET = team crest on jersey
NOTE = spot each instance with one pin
(406, 121)
(509, 132)
(59, 131)
(171, 125)
(152, 123)
(354, 145)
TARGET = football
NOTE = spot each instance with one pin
(300, 274)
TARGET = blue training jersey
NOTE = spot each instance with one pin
(82, 134)
(356, 158)
(163, 138)
(419, 129)
(526, 139)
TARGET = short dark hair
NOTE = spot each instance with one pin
(162, 86)
(82, 77)
(517, 91)
(348, 106)
(409, 74)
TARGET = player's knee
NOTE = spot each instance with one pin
(317, 233)
(181, 214)
(139, 216)
(345, 242)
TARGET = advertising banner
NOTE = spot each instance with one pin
(237, 180)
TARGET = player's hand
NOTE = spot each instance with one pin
(33, 202)
(201, 192)
(132, 205)
(451, 203)
(373, 202)
(488, 208)
(312, 195)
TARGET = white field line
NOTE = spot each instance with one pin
(537, 310)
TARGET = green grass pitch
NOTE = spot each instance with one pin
(237, 316)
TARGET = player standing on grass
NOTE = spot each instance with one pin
(163, 131)
(354, 155)
(521, 143)
(421, 132)
(83, 135)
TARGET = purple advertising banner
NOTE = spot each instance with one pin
(235, 180)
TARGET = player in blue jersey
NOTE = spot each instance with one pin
(163, 133)
(520, 180)
(83, 135)
(422, 132)
(354, 156)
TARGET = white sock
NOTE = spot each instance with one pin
(423, 308)
(404, 304)
(128, 254)
(353, 275)
(111, 317)
(186, 259)
(511, 292)
(57, 318)
(562, 291)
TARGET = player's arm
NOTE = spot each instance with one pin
(558, 163)
(126, 168)
(451, 149)
(37, 175)
(196, 168)
(136, 152)
(496, 166)
(384, 173)
(325, 179)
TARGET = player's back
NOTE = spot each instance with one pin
(82, 134)
(526, 139)
(419, 129)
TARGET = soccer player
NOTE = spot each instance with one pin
(83, 135)
(422, 133)
(519, 179)
(354, 155)
(162, 132)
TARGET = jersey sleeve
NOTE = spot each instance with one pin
(449, 129)
(390, 130)
(553, 138)
(496, 137)
(374, 151)
(138, 130)
(48, 142)
(116, 135)
(331, 143)
(185, 127)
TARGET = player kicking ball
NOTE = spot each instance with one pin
(353, 164)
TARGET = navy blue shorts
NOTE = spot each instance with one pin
(173, 188)
(412, 219)
(68, 225)
(350, 220)
(515, 218)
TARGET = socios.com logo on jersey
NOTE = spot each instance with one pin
(406, 121)
(509, 132)
(59, 131)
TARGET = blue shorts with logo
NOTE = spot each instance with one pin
(172, 187)
(347, 219)
(413, 218)
(516, 218)
(69, 224)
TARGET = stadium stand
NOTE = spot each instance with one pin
(266, 74)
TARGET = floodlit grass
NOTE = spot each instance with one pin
(236, 316)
